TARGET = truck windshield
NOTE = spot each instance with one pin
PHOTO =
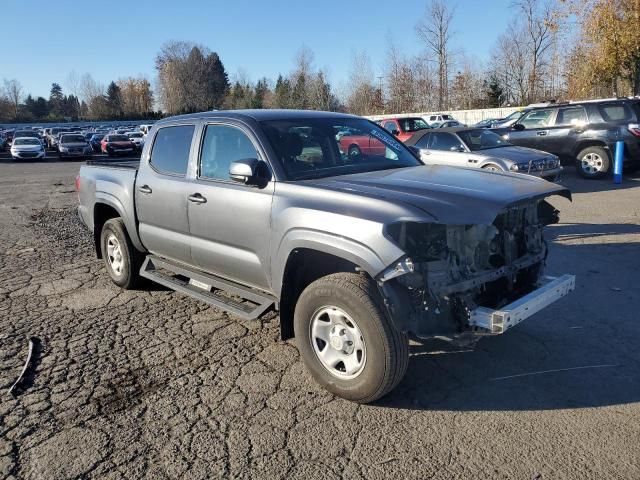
(412, 124)
(326, 147)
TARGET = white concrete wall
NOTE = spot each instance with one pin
(468, 117)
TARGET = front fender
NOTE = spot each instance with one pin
(339, 246)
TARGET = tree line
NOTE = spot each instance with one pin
(550, 50)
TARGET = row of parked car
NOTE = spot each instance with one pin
(533, 140)
(73, 141)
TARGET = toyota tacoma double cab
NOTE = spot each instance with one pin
(251, 211)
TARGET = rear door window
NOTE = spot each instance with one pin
(170, 152)
(571, 116)
(615, 112)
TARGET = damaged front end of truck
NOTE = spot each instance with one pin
(472, 278)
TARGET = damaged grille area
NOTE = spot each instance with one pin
(457, 268)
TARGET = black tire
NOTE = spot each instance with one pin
(601, 161)
(387, 349)
(354, 151)
(129, 275)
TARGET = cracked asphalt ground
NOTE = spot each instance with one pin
(152, 384)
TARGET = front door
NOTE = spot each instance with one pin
(229, 222)
(161, 194)
(536, 125)
(444, 148)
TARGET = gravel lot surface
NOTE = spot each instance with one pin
(152, 384)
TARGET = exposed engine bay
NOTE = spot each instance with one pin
(452, 269)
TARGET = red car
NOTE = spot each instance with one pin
(355, 144)
(403, 128)
(117, 145)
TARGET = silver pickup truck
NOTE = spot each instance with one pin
(356, 248)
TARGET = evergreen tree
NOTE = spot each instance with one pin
(218, 80)
(259, 93)
(282, 93)
(56, 100)
(40, 108)
(495, 92)
(114, 99)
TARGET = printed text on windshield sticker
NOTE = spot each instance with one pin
(386, 140)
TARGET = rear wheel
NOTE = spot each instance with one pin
(347, 340)
(354, 151)
(121, 258)
(593, 162)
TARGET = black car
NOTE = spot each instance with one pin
(585, 132)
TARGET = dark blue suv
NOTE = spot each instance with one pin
(585, 132)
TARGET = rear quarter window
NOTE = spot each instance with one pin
(619, 112)
(170, 152)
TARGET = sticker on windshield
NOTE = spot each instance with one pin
(385, 139)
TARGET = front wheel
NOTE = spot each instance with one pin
(593, 162)
(347, 340)
(121, 258)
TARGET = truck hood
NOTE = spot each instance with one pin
(457, 196)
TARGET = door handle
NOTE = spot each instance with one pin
(542, 133)
(145, 189)
(197, 198)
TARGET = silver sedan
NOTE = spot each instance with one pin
(482, 148)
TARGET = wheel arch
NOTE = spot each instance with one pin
(105, 208)
(588, 143)
(305, 264)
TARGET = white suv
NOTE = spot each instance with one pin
(437, 119)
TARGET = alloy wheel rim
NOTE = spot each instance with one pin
(114, 255)
(338, 342)
(592, 163)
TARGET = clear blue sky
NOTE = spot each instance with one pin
(42, 41)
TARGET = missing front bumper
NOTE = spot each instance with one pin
(499, 321)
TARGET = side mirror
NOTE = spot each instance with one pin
(518, 127)
(249, 171)
(459, 148)
(395, 132)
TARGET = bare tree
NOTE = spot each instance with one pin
(72, 84)
(400, 81)
(538, 25)
(434, 29)
(13, 91)
(362, 95)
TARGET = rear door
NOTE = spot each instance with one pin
(536, 125)
(569, 126)
(229, 221)
(161, 193)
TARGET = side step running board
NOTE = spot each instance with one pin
(250, 305)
